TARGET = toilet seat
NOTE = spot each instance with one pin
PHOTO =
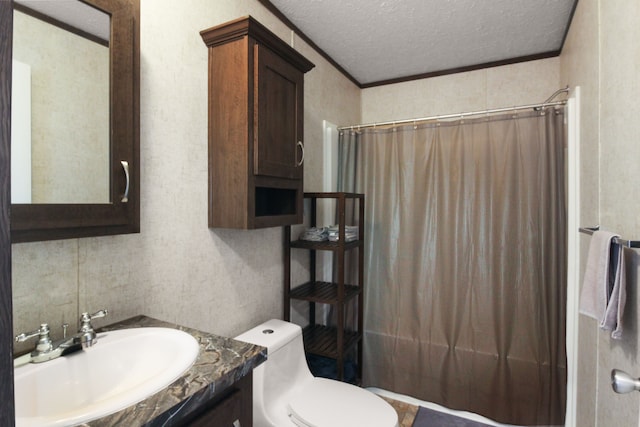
(329, 403)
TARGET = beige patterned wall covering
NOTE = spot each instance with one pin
(506, 86)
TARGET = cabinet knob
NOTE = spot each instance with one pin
(236, 423)
(299, 144)
(621, 382)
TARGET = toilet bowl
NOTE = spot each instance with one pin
(285, 393)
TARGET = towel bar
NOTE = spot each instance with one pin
(618, 240)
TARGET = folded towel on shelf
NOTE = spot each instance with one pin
(603, 294)
(331, 233)
(350, 233)
(315, 234)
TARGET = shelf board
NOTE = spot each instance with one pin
(334, 195)
(323, 292)
(326, 245)
(323, 340)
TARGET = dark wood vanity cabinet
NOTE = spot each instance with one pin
(233, 408)
(256, 147)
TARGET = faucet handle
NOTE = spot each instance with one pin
(101, 313)
(44, 339)
(87, 336)
(44, 328)
(86, 318)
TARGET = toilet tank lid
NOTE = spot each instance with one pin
(272, 334)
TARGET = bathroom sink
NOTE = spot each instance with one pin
(124, 367)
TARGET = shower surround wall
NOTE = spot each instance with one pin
(602, 56)
(176, 269)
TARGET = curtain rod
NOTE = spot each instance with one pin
(536, 107)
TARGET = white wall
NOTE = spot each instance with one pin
(176, 269)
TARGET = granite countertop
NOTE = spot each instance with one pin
(220, 363)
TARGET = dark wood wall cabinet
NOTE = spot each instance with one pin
(256, 150)
(329, 341)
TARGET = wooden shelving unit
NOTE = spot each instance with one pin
(330, 341)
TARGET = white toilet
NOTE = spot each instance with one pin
(285, 393)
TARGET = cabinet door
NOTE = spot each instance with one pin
(233, 409)
(279, 98)
(227, 413)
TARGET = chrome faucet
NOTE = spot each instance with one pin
(46, 349)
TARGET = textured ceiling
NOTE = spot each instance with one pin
(74, 13)
(376, 40)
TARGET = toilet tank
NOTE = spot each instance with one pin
(273, 334)
(285, 369)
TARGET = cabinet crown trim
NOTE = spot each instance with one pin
(248, 26)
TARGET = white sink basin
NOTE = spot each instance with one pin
(121, 369)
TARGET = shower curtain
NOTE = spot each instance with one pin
(465, 262)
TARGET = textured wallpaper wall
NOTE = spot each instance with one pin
(518, 84)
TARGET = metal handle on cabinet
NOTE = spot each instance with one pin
(236, 423)
(299, 144)
(125, 166)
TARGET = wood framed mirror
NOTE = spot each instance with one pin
(116, 210)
